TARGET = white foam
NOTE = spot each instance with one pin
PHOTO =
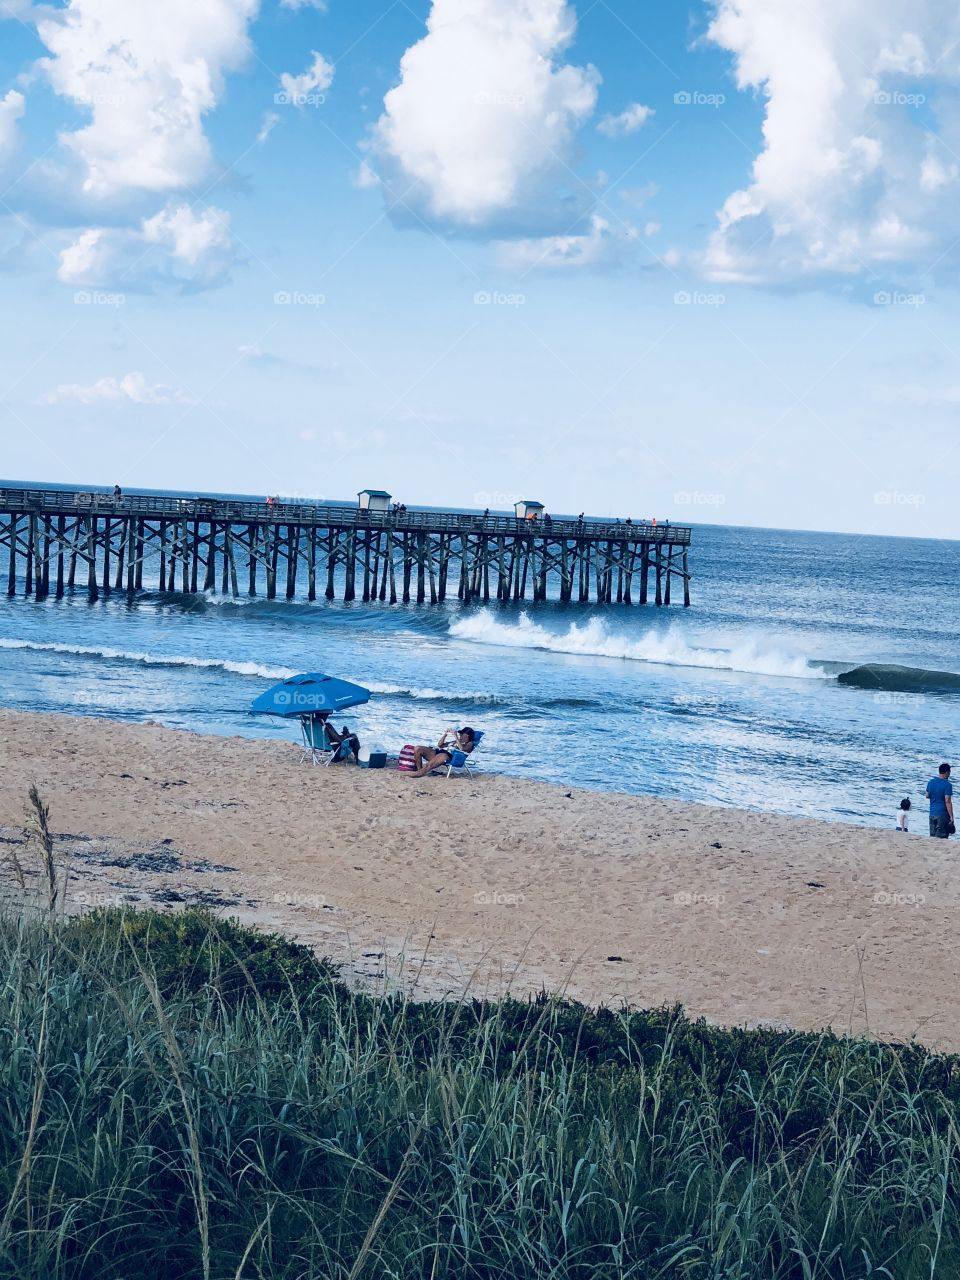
(668, 648)
(152, 659)
(424, 695)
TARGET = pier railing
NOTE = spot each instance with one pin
(177, 507)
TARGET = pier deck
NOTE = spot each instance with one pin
(199, 544)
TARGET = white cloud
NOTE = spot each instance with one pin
(482, 121)
(628, 121)
(317, 78)
(602, 246)
(267, 126)
(304, 4)
(189, 237)
(176, 246)
(147, 79)
(132, 388)
(79, 261)
(651, 229)
(848, 179)
(365, 177)
(11, 109)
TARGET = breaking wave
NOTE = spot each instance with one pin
(668, 648)
(151, 659)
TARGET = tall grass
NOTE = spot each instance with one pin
(184, 1097)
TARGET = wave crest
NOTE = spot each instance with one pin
(151, 659)
(593, 639)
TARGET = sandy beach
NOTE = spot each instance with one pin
(493, 883)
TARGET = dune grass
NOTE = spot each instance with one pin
(180, 1096)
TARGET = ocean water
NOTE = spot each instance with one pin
(815, 674)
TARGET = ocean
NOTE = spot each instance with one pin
(815, 674)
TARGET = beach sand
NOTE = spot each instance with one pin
(492, 883)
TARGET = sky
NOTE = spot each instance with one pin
(693, 261)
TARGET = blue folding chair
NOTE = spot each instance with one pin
(460, 762)
(318, 747)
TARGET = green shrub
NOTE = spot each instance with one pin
(189, 1097)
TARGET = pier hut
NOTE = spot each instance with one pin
(168, 542)
(374, 500)
(527, 510)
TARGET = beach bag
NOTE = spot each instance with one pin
(405, 760)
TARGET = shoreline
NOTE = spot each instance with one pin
(496, 883)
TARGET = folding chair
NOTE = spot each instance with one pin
(460, 762)
(317, 747)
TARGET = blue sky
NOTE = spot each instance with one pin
(693, 261)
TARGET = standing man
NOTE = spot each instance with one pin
(940, 794)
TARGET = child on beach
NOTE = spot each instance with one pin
(903, 815)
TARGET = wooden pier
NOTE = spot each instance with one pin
(57, 541)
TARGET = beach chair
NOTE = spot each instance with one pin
(460, 762)
(317, 747)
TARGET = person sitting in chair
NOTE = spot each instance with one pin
(344, 742)
(428, 758)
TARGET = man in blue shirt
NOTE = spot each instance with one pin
(940, 792)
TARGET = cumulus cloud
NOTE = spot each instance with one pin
(132, 388)
(602, 246)
(629, 121)
(147, 84)
(479, 129)
(12, 106)
(850, 178)
(317, 78)
(176, 247)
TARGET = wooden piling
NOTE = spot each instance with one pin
(12, 562)
(61, 539)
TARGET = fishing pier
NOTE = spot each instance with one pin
(56, 541)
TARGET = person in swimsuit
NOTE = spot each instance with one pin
(429, 758)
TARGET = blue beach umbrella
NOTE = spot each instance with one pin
(311, 694)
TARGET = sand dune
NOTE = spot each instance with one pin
(497, 882)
